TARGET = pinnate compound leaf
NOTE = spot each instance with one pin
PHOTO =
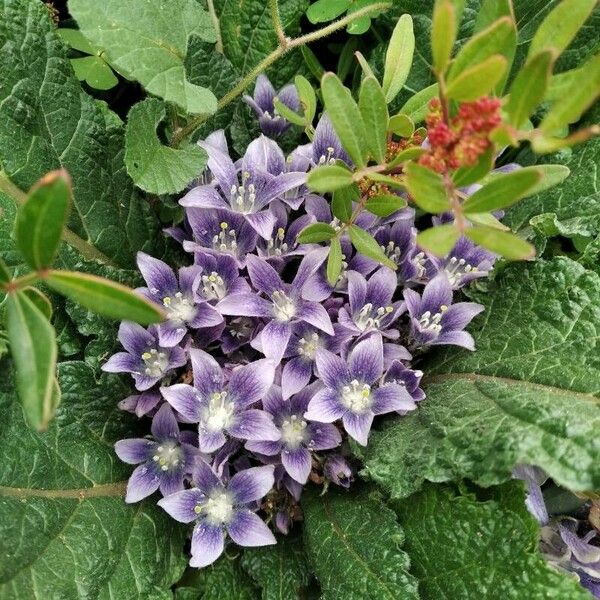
(427, 188)
(65, 531)
(528, 394)
(40, 221)
(494, 547)
(280, 570)
(157, 30)
(154, 167)
(329, 178)
(354, 544)
(367, 245)
(33, 348)
(398, 58)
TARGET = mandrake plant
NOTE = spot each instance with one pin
(299, 300)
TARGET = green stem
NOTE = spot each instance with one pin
(266, 62)
(277, 24)
(21, 282)
(87, 250)
(215, 19)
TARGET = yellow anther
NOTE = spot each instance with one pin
(224, 225)
(146, 355)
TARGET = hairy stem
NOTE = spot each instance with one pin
(277, 24)
(97, 491)
(215, 19)
(238, 89)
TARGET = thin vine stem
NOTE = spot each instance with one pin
(277, 24)
(215, 19)
(308, 38)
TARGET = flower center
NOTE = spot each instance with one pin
(293, 432)
(217, 414)
(429, 322)
(213, 286)
(369, 317)
(307, 348)
(241, 328)
(156, 362)
(276, 245)
(457, 267)
(357, 396)
(179, 308)
(226, 240)
(419, 261)
(243, 196)
(393, 252)
(284, 308)
(218, 508)
(167, 456)
(327, 158)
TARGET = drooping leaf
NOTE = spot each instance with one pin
(154, 167)
(427, 188)
(368, 246)
(40, 221)
(443, 33)
(494, 547)
(528, 394)
(158, 30)
(398, 58)
(315, 233)
(354, 545)
(478, 80)
(438, 240)
(374, 112)
(334, 261)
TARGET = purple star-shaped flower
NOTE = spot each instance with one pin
(271, 123)
(434, 320)
(326, 145)
(146, 360)
(221, 408)
(165, 460)
(219, 277)
(352, 392)
(283, 306)
(410, 379)
(338, 471)
(220, 509)
(298, 436)
(178, 299)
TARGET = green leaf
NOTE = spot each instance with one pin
(368, 246)
(384, 205)
(346, 118)
(154, 167)
(224, 580)
(327, 10)
(443, 34)
(468, 175)
(5, 275)
(334, 261)
(316, 233)
(364, 65)
(529, 87)
(40, 300)
(438, 240)
(40, 221)
(398, 58)
(354, 544)
(33, 349)
(561, 25)
(374, 112)
(389, 180)
(494, 547)
(410, 153)
(287, 113)
(341, 203)
(490, 11)
(47, 122)
(105, 297)
(65, 531)
(427, 188)
(504, 243)
(95, 72)
(329, 178)
(401, 125)
(125, 31)
(504, 190)
(487, 219)
(279, 570)
(579, 96)
(527, 395)
(478, 80)
(76, 40)
(308, 98)
(417, 107)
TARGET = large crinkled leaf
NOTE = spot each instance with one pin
(463, 548)
(147, 41)
(48, 122)
(528, 394)
(65, 531)
(223, 580)
(354, 544)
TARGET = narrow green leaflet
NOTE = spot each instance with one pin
(341, 202)
(493, 548)
(368, 246)
(329, 178)
(504, 243)
(40, 221)
(528, 394)
(478, 80)
(65, 531)
(334, 261)
(315, 233)
(33, 348)
(398, 58)
(307, 96)
(427, 188)
(346, 118)
(373, 109)
(105, 297)
(438, 240)
(40, 300)
(280, 570)
(160, 30)
(385, 204)
(154, 167)
(354, 544)
(443, 33)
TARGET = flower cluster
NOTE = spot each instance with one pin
(263, 370)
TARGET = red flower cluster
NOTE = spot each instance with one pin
(464, 139)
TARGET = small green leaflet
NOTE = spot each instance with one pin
(478, 80)
(373, 109)
(327, 10)
(401, 125)
(398, 58)
(154, 167)
(368, 246)
(417, 106)
(329, 178)
(427, 188)
(443, 33)
(384, 205)
(315, 233)
(504, 243)
(439, 239)
(468, 175)
(334, 261)
(40, 300)
(341, 203)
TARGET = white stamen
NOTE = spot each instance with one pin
(357, 396)
(168, 456)
(217, 414)
(213, 286)
(293, 432)
(284, 308)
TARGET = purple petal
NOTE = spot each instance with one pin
(262, 222)
(459, 315)
(206, 316)
(288, 95)
(358, 426)
(297, 463)
(366, 359)
(254, 424)
(295, 376)
(208, 375)
(135, 450)
(184, 399)
(273, 401)
(266, 448)
(170, 333)
(280, 185)
(219, 163)
(250, 383)
(455, 338)
(381, 287)
(391, 397)
(332, 369)
(181, 505)
(143, 482)
(324, 436)
(209, 441)
(263, 276)
(208, 542)
(122, 362)
(308, 267)
(315, 315)
(203, 196)
(245, 305)
(134, 338)
(437, 293)
(357, 290)
(263, 155)
(159, 277)
(204, 477)
(164, 424)
(324, 407)
(171, 482)
(413, 302)
(252, 484)
(264, 92)
(247, 529)
(274, 339)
